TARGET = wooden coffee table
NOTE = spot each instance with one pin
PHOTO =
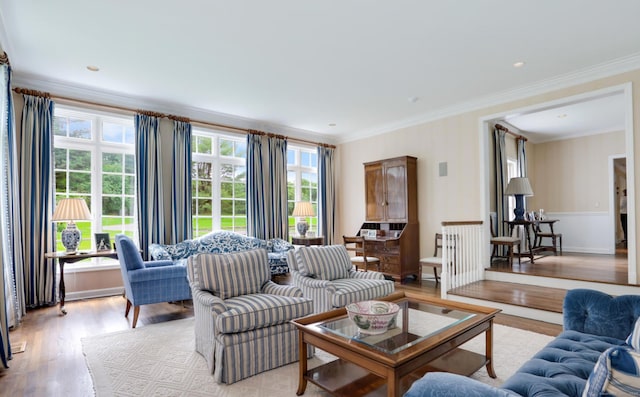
(427, 337)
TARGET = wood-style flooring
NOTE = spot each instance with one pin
(574, 266)
(53, 364)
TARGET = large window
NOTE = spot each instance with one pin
(219, 179)
(94, 160)
(302, 183)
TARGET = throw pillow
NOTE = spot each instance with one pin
(232, 274)
(325, 263)
(634, 338)
(617, 373)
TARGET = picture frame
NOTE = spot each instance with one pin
(103, 242)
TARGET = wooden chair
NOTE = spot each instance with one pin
(361, 261)
(539, 234)
(502, 241)
(434, 261)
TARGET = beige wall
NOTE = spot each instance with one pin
(457, 141)
(572, 175)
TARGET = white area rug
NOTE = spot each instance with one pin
(160, 360)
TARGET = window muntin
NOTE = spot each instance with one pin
(94, 159)
(302, 183)
(218, 182)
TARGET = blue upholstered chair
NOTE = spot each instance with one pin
(243, 319)
(326, 275)
(149, 282)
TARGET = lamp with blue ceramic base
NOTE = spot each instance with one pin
(519, 187)
(71, 209)
(302, 210)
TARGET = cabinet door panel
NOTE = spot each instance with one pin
(396, 180)
(374, 185)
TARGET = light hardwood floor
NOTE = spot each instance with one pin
(53, 363)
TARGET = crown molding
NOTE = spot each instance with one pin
(110, 98)
(607, 69)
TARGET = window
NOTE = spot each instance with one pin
(94, 159)
(302, 182)
(219, 182)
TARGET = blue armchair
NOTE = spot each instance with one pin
(149, 282)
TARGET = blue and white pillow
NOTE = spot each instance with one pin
(617, 373)
(634, 338)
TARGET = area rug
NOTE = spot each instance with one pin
(160, 360)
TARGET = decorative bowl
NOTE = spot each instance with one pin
(373, 317)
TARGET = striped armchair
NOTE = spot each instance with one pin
(243, 319)
(327, 276)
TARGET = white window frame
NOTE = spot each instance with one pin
(96, 147)
(299, 169)
(216, 160)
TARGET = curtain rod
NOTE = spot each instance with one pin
(505, 129)
(19, 90)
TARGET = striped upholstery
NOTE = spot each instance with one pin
(329, 262)
(250, 312)
(350, 290)
(330, 294)
(242, 334)
(234, 274)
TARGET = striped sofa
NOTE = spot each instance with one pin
(243, 319)
(326, 275)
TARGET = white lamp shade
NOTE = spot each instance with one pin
(302, 209)
(519, 186)
(71, 209)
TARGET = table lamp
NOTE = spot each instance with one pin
(519, 187)
(69, 210)
(302, 210)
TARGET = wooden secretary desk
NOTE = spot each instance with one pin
(391, 226)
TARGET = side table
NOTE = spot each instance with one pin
(64, 257)
(307, 241)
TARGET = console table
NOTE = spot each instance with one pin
(64, 257)
(307, 241)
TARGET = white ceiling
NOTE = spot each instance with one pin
(300, 65)
(593, 116)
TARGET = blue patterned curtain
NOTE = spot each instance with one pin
(500, 163)
(36, 198)
(151, 220)
(326, 193)
(267, 213)
(181, 218)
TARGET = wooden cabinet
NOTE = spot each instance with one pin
(391, 190)
(391, 199)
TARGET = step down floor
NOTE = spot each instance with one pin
(533, 297)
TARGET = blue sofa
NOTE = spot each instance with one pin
(592, 322)
(219, 242)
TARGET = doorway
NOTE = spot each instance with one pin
(575, 218)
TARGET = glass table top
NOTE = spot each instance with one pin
(423, 320)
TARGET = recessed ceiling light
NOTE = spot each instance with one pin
(518, 64)
(93, 68)
(332, 124)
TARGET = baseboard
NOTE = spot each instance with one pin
(95, 293)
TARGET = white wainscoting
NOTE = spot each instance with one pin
(587, 232)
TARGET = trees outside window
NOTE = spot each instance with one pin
(219, 182)
(302, 183)
(94, 159)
